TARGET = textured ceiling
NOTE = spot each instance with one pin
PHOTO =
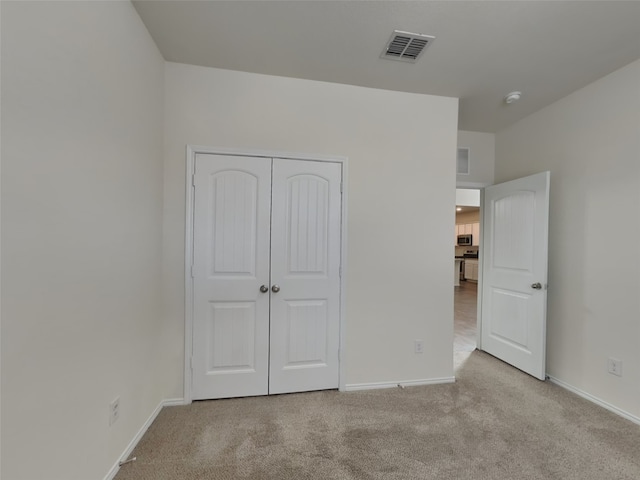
(482, 51)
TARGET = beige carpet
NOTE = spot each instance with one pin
(494, 423)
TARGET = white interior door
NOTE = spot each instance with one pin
(305, 275)
(266, 276)
(514, 272)
(231, 248)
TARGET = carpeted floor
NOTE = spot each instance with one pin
(494, 423)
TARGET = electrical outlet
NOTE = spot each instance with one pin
(615, 366)
(114, 411)
(418, 346)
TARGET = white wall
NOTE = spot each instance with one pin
(401, 150)
(468, 197)
(82, 110)
(590, 141)
(482, 156)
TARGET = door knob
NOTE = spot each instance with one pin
(275, 289)
(264, 289)
(537, 286)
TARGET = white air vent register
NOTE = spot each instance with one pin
(406, 47)
(462, 163)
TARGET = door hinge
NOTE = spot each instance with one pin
(192, 271)
(193, 180)
(191, 363)
(340, 187)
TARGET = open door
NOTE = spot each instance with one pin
(514, 272)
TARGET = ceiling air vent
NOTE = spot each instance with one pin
(405, 46)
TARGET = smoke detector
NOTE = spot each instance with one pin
(512, 97)
(405, 46)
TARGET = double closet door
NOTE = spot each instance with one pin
(266, 268)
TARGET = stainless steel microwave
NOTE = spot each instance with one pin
(465, 240)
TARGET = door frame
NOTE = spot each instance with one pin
(480, 274)
(191, 152)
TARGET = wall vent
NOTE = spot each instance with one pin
(406, 47)
(462, 163)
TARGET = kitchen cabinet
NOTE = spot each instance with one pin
(461, 229)
(469, 229)
(471, 269)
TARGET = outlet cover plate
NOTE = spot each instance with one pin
(615, 366)
(114, 411)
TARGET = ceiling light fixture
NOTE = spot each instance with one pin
(458, 209)
(512, 97)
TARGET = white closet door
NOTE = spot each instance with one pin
(232, 205)
(305, 275)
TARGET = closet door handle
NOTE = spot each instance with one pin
(275, 289)
(264, 289)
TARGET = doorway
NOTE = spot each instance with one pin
(467, 247)
(512, 282)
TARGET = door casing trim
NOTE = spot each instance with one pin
(191, 152)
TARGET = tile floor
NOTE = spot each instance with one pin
(465, 307)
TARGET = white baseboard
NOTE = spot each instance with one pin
(400, 383)
(173, 402)
(596, 400)
(170, 402)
